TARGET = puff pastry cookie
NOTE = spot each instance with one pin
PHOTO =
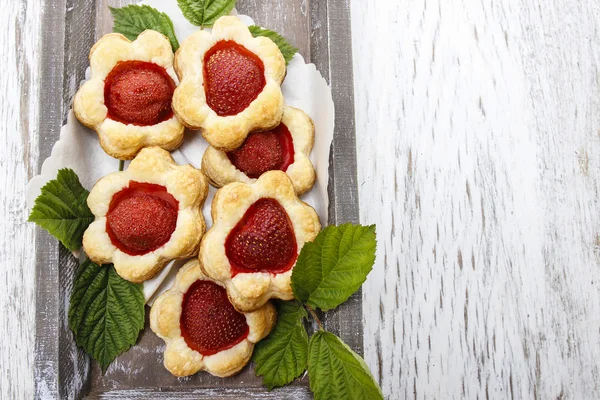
(146, 216)
(230, 83)
(285, 148)
(128, 99)
(202, 330)
(257, 234)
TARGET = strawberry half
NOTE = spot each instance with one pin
(264, 151)
(141, 218)
(263, 240)
(138, 93)
(233, 77)
(209, 323)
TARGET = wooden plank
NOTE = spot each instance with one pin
(50, 120)
(478, 136)
(79, 33)
(61, 369)
(103, 20)
(285, 393)
(19, 90)
(343, 178)
(290, 18)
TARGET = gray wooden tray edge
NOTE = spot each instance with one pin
(60, 370)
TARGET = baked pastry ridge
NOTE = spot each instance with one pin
(286, 148)
(127, 100)
(230, 83)
(146, 216)
(257, 234)
(202, 330)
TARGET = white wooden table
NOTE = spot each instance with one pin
(478, 131)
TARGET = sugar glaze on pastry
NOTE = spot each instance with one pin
(267, 151)
(146, 216)
(127, 100)
(257, 234)
(201, 329)
(230, 83)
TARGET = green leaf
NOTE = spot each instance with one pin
(106, 313)
(334, 266)
(132, 20)
(61, 209)
(205, 12)
(281, 357)
(336, 372)
(285, 47)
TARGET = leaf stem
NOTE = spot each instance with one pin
(314, 315)
(121, 165)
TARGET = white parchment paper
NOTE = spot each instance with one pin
(304, 87)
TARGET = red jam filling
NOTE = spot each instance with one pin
(233, 77)
(263, 240)
(209, 323)
(138, 93)
(141, 218)
(264, 151)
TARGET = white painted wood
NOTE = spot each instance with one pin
(478, 126)
(19, 34)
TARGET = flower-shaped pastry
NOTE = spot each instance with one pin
(230, 83)
(202, 330)
(146, 216)
(128, 99)
(285, 148)
(257, 234)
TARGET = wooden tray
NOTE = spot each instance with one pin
(321, 30)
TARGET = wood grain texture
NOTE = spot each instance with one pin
(290, 18)
(478, 129)
(18, 157)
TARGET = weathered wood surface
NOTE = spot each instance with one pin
(19, 91)
(478, 129)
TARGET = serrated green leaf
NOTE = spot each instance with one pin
(281, 357)
(334, 266)
(61, 209)
(205, 12)
(106, 313)
(285, 47)
(336, 372)
(132, 20)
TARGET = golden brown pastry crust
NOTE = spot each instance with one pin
(189, 99)
(220, 171)
(124, 141)
(186, 184)
(249, 291)
(179, 359)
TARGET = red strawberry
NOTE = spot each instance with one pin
(209, 323)
(263, 240)
(264, 151)
(141, 218)
(233, 77)
(138, 93)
